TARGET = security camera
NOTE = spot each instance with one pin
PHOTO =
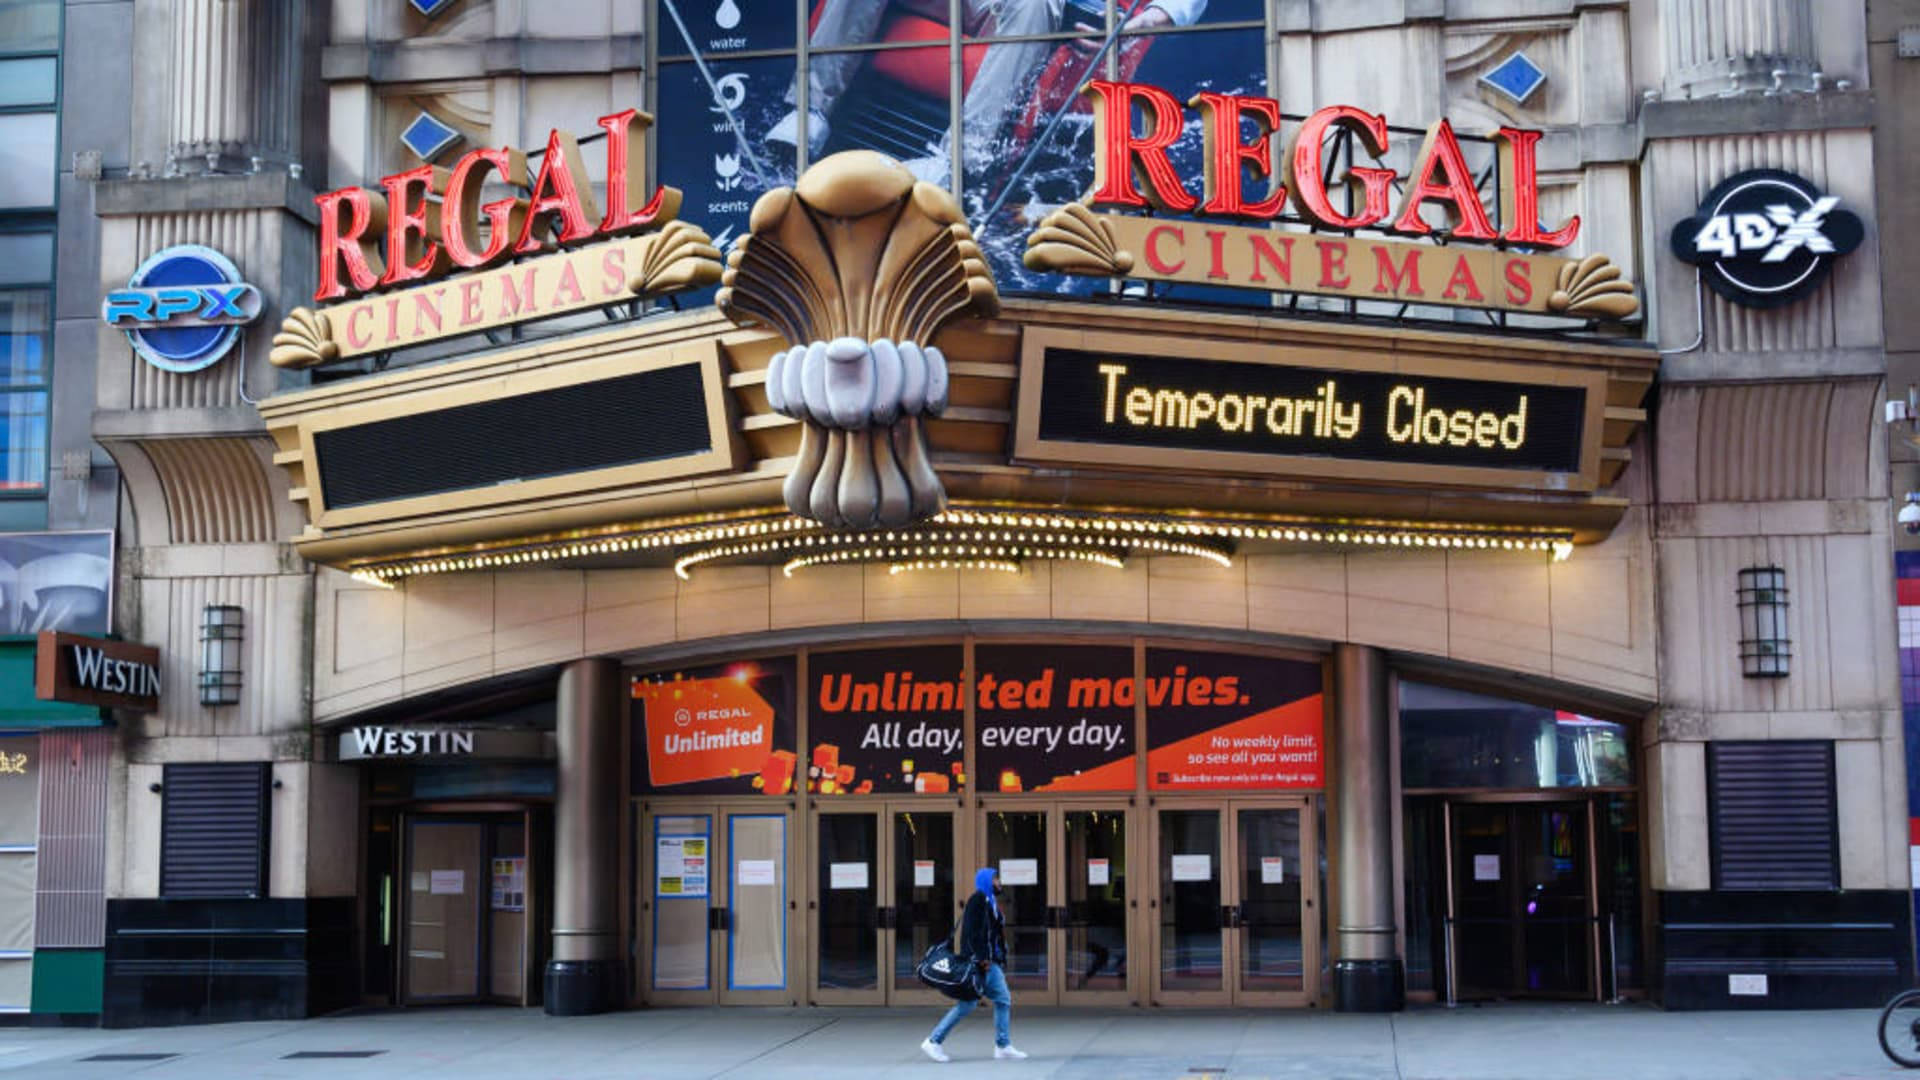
(1910, 514)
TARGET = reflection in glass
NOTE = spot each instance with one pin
(23, 440)
(894, 101)
(1096, 899)
(1455, 739)
(1021, 838)
(1191, 951)
(27, 159)
(27, 81)
(848, 933)
(29, 25)
(922, 852)
(1271, 957)
(24, 322)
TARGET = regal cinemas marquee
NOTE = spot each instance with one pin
(859, 572)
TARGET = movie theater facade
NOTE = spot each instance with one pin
(1283, 557)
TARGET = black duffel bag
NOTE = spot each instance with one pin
(952, 975)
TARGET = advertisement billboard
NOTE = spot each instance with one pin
(1229, 722)
(723, 729)
(887, 721)
(56, 581)
(1055, 717)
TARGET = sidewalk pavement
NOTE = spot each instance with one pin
(1524, 1042)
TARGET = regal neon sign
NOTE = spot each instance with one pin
(377, 239)
(381, 252)
(1133, 171)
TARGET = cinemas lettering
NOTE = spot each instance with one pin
(1135, 125)
(1257, 416)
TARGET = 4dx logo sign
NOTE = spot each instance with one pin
(1765, 238)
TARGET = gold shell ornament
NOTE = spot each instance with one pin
(679, 256)
(305, 340)
(1073, 240)
(1593, 287)
(858, 265)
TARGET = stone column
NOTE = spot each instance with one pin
(213, 87)
(1716, 47)
(1367, 976)
(583, 975)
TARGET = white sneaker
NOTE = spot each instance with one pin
(932, 1049)
(787, 130)
(1005, 1052)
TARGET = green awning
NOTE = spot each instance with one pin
(20, 709)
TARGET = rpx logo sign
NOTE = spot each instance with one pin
(1765, 238)
(183, 305)
(183, 308)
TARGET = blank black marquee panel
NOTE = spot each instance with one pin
(1183, 403)
(648, 416)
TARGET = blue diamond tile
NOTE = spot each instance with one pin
(1517, 77)
(428, 136)
(430, 8)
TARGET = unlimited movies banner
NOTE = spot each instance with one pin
(721, 729)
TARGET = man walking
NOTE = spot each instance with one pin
(983, 940)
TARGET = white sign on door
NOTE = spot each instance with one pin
(1273, 870)
(923, 873)
(1747, 985)
(1193, 868)
(756, 872)
(847, 875)
(1098, 871)
(1486, 868)
(1019, 871)
(448, 882)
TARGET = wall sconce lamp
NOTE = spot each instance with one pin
(1765, 649)
(222, 629)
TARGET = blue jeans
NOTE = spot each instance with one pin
(1002, 999)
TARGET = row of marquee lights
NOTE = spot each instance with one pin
(425, 222)
(983, 538)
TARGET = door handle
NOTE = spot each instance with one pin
(1229, 916)
(886, 917)
(719, 918)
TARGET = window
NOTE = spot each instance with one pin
(879, 76)
(213, 830)
(1456, 739)
(29, 159)
(1771, 811)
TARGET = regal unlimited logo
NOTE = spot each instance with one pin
(1765, 238)
(183, 308)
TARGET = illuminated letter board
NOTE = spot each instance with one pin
(1384, 418)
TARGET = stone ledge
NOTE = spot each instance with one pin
(1755, 114)
(183, 194)
(402, 61)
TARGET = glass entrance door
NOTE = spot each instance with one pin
(443, 942)
(1522, 909)
(1233, 908)
(1064, 892)
(712, 906)
(885, 889)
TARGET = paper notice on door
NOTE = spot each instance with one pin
(1486, 868)
(1193, 868)
(1019, 871)
(680, 866)
(1098, 872)
(756, 872)
(448, 882)
(923, 873)
(1273, 870)
(417, 882)
(847, 875)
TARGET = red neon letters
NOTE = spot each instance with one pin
(422, 239)
(1133, 171)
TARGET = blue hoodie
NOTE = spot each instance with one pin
(983, 881)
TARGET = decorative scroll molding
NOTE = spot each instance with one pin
(858, 265)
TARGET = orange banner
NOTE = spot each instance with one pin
(1278, 748)
(705, 729)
